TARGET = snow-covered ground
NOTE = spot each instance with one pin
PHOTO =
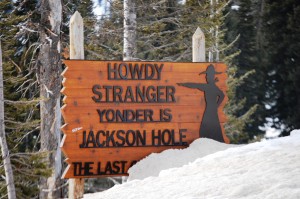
(156, 162)
(268, 169)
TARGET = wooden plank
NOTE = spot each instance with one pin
(125, 155)
(88, 92)
(165, 76)
(89, 82)
(103, 140)
(88, 101)
(74, 128)
(97, 142)
(179, 114)
(81, 65)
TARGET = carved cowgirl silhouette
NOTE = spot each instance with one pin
(210, 126)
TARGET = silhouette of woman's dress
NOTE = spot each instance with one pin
(210, 125)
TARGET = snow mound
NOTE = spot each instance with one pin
(268, 169)
(171, 158)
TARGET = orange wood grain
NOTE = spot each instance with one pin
(89, 83)
(179, 114)
(111, 154)
(84, 65)
(80, 112)
(87, 92)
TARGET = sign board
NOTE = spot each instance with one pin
(117, 113)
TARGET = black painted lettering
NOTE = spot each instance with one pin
(130, 115)
(120, 136)
(139, 115)
(173, 137)
(148, 115)
(120, 116)
(123, 67)
(107, 88)
(156, 138)
(99, 144)
(130, 140)
(158, 70)
(108, 168)
(117, 94)
(88, 168)
(110, 115)
(78, 168)
(129, 94)
(101, 114)
(110, 138)
(160, 94)
(161, 115)
(113, 71)
(123, 163)
(136, 71)
(167, 116)
(98, 95)
(151, 97)
(170, 94)
(82, 169)
(140, 138)
(91, 140)
(182, 136)
(116, 167)
(166, 137)
(83, 144)
(149, 71)
(140, 94)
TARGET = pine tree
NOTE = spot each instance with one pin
(245, 21)
(9, 177)
(283, 36)
(21, 116)
(101, 46)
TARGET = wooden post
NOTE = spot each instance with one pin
(76, 186)
(198, 46)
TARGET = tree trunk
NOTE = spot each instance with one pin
(50, 84)
(11, 192)
(129, 48)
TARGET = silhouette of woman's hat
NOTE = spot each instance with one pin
(210, 70)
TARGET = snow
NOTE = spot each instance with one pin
(235, 7)
(271, 132)
(154, 163)
(269, 169)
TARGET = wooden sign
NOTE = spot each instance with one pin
(117, 113)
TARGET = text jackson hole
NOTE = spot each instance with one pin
(138, 93)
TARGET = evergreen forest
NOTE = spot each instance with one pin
(259, 40)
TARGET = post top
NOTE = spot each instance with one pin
(76, 17)
(198, 33)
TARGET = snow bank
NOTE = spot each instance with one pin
(156, 162)
(268, 169)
